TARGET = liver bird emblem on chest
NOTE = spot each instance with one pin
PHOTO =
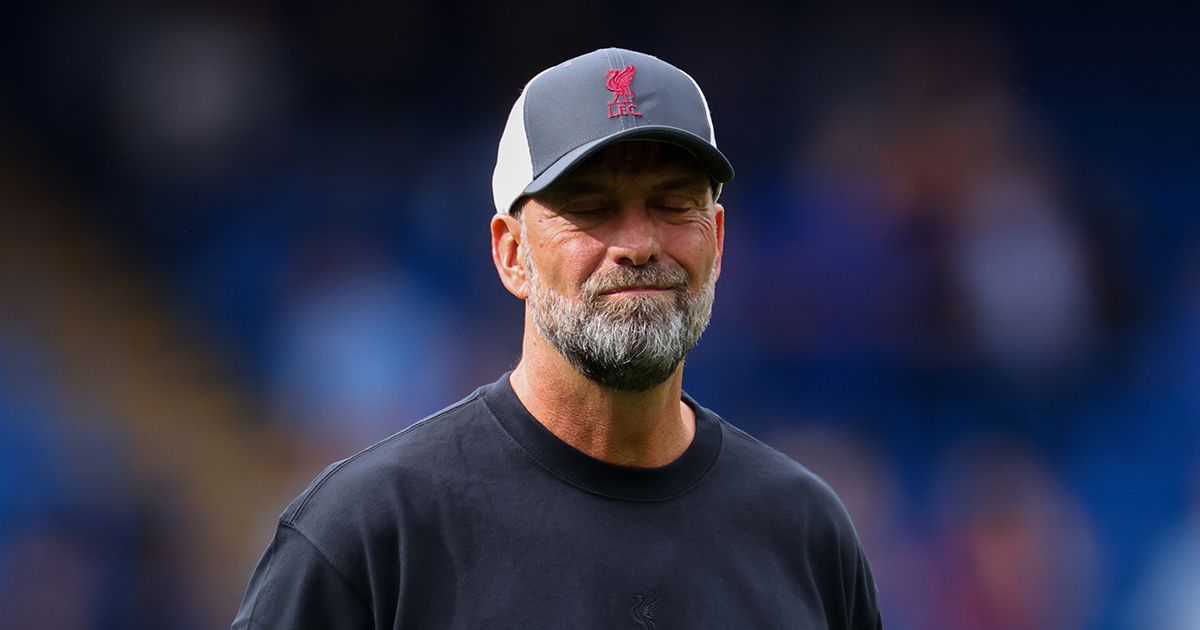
(642, 611)
(619, 82)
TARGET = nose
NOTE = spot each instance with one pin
(635, 239)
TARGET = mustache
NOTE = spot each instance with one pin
(672, 277)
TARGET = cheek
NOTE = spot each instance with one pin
(695, 247)
(567, 262)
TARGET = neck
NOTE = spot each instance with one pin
(644, 429)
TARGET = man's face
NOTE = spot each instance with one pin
(622, 256)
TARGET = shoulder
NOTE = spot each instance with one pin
(762, 463)
(770, 477)
(804, 513)
(381, 482)
(339, 544)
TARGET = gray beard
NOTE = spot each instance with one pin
(629, 343)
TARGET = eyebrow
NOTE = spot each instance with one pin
(690, 183)
(575, 187)
(685, 183)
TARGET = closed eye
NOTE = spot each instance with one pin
(674, 203)
(586, 209)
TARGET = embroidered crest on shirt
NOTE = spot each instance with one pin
(643, 609)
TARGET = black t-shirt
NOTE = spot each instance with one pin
(479, 517)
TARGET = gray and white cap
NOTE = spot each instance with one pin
(572, 110)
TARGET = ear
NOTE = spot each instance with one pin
(719, 221)
(507, 254)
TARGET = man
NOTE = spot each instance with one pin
(584, 489)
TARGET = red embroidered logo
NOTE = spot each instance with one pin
(618, 81)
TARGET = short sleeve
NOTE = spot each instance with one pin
(295, 587)
(865, 613)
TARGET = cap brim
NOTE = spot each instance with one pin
(710, 158)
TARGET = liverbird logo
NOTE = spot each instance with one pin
(618, 82)
(643, 609)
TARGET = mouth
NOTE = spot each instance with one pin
(638, 290)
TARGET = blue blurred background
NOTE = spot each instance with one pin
(239, 240)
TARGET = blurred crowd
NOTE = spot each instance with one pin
(961, 284)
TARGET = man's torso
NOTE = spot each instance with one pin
(479, 517)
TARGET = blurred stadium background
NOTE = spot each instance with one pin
(240, 240)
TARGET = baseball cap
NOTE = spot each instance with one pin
(570, 111)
